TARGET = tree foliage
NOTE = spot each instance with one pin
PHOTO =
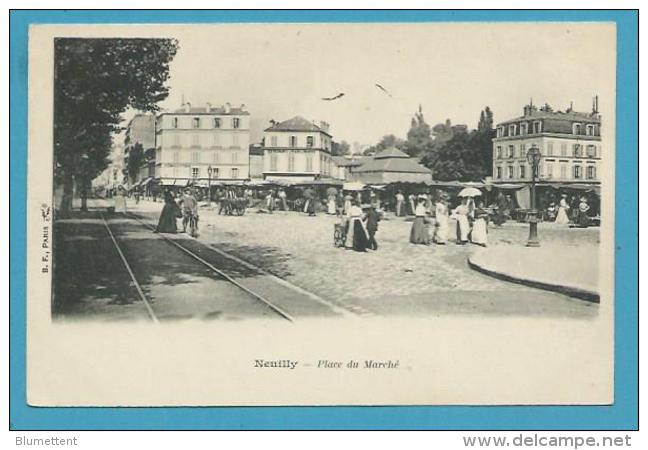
(462, 155)
(419, 136)
(387, 141)
(95, 81)
(135, 160)
(340, 148)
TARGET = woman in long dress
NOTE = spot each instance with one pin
(120, 200)
(480, 226)
(441, 221)
(562, 218)
(463, 226)
(419, 232)
(347, 204)
(583, 217)
(331, 204)
(357, 237)
(169, 215)
(400, 204)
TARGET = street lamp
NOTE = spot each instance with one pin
(210, 170)
(533, 157)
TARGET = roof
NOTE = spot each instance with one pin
(297, 123)
(390, 152)
(342, 161)
(393, 164)
(571, 116)
(220, 110)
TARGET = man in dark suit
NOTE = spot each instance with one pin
(371, 222)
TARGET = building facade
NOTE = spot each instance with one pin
(570, 144)
(297, 150)
(140, 131)
(192, 139)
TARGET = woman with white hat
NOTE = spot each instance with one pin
(563, 218)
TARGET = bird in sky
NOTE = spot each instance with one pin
(383, 89)
(328, 99)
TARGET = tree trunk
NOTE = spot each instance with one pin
(84, 195)
(68, 193)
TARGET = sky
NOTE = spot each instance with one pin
(452, 70)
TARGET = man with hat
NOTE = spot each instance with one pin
(189, 208)
(371, 222)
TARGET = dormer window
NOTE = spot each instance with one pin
(524, 128)
(537, 127)
(589, 130)
(217, 122)
(500, 131)
(511, 130)
(577, 128)
(196, 122)
(236, 122)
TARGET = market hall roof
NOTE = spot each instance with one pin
(392, 160)
(297, 123)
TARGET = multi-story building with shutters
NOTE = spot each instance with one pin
(190, 140)
(569, 141)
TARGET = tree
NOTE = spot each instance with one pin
(95, 81)
(386, 142)
(135, 160)
(340, 148)
(485, 120)
(419, 135)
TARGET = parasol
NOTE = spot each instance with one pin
(470, 192)
(331, 191)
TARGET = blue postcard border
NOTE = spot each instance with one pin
(622, 415)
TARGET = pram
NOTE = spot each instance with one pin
(339, 233)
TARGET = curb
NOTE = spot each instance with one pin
(582, 294)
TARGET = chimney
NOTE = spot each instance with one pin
(228, 108)
(273, 122)
(243, 107)
(187, 107)
(209, 107)
(324, 126)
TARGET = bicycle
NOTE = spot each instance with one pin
(191, 220)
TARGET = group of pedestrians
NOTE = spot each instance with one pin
(186, 208)
(361, 227)
(431, 223)
(580, 216)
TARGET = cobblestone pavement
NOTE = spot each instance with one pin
(399, 278)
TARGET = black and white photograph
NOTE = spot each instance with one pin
(409, 198)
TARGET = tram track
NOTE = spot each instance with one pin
(213, 269)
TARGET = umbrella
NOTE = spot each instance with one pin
(331, 191)
(470, 192)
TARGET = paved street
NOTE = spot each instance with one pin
(399, 278)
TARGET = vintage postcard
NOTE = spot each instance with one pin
(321, 214)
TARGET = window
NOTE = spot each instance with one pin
(309, 163)
(309, 141)
(273, 162)
(591, 172)
(215, 172)
(273, 141)
(563, 149)
(499, 152)
(589, 130)
(549, 170)
(500, 131)
(523, 128)
(196, 122)
(235, 140)
(577, 128)
(217, 122)
(510, 172)
(293, 141)
(522, 171)
(522, 150)
(214, 157)
(176, 140)
(234, 172)
(195, 157)
(175, 122)
(291, 162)
(537, 127)
(563, 171)
(577, 151)
(549, 148)
(234, 157)
(216, 140)
(577, 172)
(511, 130)
(176, 157)
(591, 151)
(195, 139)
(236, 122)
(499, 173)
(195, 172)
(511, 153)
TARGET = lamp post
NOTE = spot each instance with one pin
(209, 175)
(533, 157)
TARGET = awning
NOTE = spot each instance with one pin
(353, 186)
(146, 182)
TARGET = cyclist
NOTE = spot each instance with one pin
(189, 206)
